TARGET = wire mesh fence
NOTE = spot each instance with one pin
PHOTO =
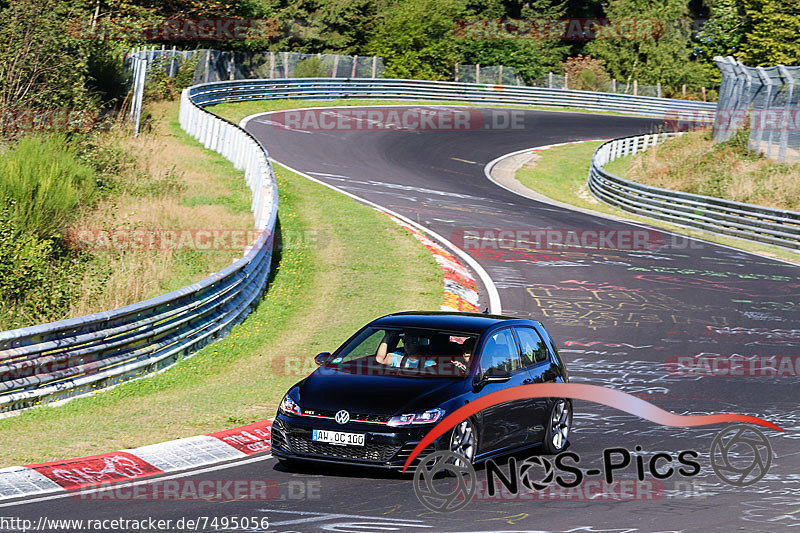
(217, 65)
(497, 75)
(503, 75)
(765, 103)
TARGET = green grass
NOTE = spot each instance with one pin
(561, 174)
(344, 265)
(44, 178)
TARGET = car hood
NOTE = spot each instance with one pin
(330, 389)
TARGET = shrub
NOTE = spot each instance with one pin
(586, 73)
(46, 182)
(311, 67)
(36, 275)
(161, 87)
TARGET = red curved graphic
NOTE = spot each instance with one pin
(579, 391)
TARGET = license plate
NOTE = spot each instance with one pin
(337, 437)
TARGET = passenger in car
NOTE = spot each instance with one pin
(406, 357)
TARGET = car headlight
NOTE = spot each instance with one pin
(426, 417)
(289, 406)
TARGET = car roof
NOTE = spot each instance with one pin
(448, 320)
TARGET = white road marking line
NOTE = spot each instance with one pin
(495, 306)
(396, 186)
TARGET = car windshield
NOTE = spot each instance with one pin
(411, 352)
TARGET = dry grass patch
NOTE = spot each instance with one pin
(163, 184)
(694, 163)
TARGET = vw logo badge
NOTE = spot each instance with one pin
(342, 417)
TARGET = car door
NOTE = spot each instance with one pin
(536, 359)
(503, 425)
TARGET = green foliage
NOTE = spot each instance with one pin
(160, 86)
(41, 65)
(322, 26)
(311, 67)
(531, 59)
(36, 274)
(105, 79)
(723, 33)
(416, 38)
(47, 182)
(773, 34)
(667, 59)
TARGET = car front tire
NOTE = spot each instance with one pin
(559, 424)
(464, 440)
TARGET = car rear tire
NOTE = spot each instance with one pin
(559, 424)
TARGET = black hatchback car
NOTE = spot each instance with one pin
(372, 400)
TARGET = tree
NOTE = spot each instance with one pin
(40, 64)
(664, 55)
(531, 56)
(416, 38)
(773, 33)
(724, 32)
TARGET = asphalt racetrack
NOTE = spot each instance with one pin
(622, 314)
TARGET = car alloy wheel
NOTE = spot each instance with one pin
(559, 426)
(464, 440)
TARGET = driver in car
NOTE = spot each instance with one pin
(406, 357)
(462, 362)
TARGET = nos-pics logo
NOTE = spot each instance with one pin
(444, 482)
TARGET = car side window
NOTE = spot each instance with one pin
(500, 353)
(532, 347)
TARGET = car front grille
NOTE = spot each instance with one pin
(369, 452)
(362, 417)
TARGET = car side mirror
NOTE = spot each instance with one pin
(493, 375)
(322, 358)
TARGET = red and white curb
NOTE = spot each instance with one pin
(127, 465)
(460, 289)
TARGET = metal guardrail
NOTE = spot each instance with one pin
(746, 221)
(395, 89)
(69, 358)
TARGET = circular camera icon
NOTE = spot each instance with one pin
(740, 455)
(533, 462)
(461, 482)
